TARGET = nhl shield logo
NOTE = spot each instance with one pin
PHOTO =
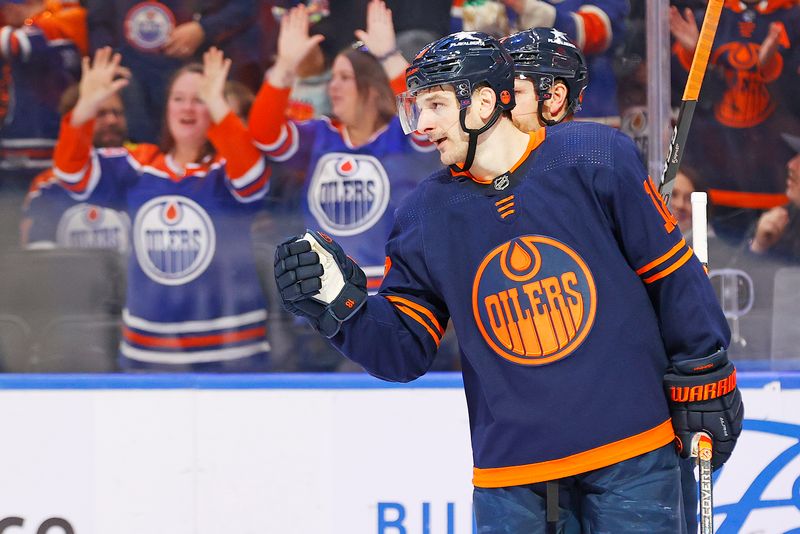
(534, 300)
(88, 226)
(148, 25)
(348, 193)
(174, 240)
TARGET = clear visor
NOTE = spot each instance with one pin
(407, 111)
(412, 104)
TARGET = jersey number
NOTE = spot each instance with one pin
(669, 220)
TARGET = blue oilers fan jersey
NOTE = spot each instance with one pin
(570, 288)
(193, 291)
(350, 193)
(55, 219)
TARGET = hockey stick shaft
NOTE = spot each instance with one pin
(702, 449)
(689, 101)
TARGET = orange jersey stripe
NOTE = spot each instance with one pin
(194, 341)
(596, 30)
(423, 310)
(504, 200)
(671, 269)
(743, 199)
(602, 456)
(411, 313)
(661, 259)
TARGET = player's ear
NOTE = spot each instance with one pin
(559, 99)
(486, 100)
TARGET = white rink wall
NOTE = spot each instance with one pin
(302, 454)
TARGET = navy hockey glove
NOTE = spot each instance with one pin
(318, 281)
(703, 396)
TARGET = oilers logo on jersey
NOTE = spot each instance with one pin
(174, 239)
(533, 300)
(148, 25)
(348, 193)
(89, 226)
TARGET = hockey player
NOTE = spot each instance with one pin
(571, 293)
(193, 298)
(550, 78)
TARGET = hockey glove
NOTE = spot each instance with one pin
(703, 396)
(318, 281)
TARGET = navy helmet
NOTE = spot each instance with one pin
(544, 55)
(464, 60)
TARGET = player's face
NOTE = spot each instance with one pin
(110, 127)
(343, 91)
(680, 203)
(793, 180)
(524, 113)
(188, 119)
(439, 120)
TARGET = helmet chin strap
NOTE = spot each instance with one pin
(473, 136)
(540, 113)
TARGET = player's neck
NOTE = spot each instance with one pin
(499, 149)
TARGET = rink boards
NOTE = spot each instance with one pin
(286, 454)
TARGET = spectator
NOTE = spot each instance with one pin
(735, 145)
(50, 215)
(194, 301)
(681, 200)
(778, 230)
(52, 218)
(156, 38)
(354, 166)
(41, 40)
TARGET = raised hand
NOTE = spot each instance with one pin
(379, 35)
(769, 229)
(684, 27)
(294, 44)
(100, 78)
(212, 88)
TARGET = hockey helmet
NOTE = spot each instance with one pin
(544, 55)
(464, 60)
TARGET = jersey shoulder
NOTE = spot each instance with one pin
(580, 144)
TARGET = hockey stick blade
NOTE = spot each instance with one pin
(689, 101)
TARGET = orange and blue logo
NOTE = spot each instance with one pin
(534, 300)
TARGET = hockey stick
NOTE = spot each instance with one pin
(702, 446)
(702, 450)
(689, 101)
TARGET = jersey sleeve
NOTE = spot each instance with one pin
(595, 26)
(395, 336)
(100, 177)
(690, 319)
(247, 174)
(281, 139)
(34, 41)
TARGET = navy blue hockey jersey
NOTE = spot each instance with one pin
(570, 288)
